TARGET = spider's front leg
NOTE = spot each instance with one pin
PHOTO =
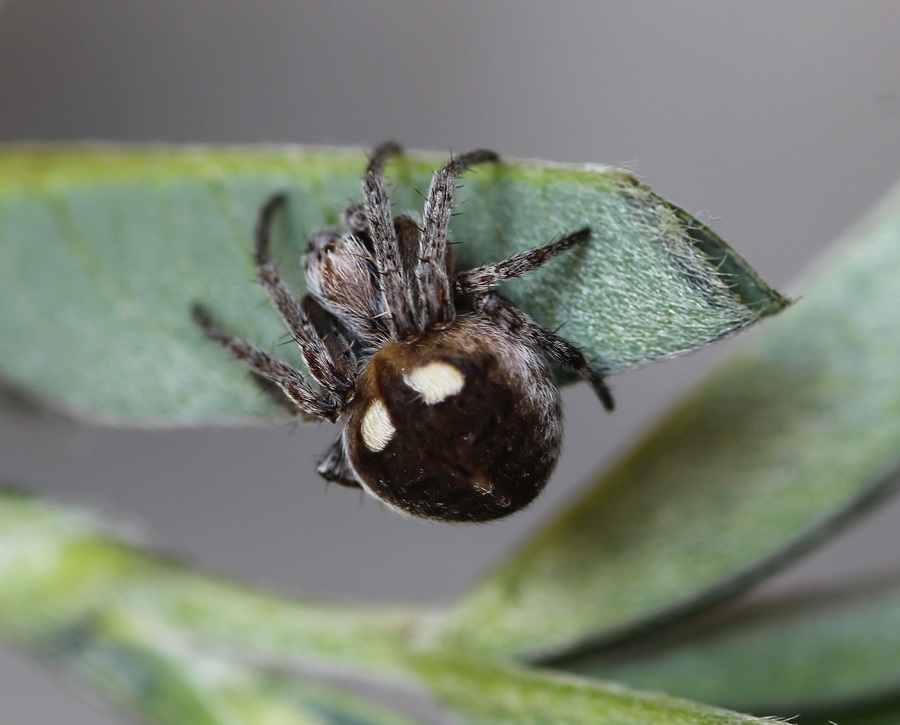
(396, 286)
(431, 272)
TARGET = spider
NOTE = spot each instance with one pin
(449, 406)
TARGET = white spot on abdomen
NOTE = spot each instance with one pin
(377, 429)
(436, 381)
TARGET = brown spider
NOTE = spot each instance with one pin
(450, 409)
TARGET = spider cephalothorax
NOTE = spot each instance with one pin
(449, 406)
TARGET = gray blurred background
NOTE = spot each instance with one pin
(778, 121)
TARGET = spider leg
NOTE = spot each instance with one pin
(336, 336)
(304, 396)
(398, 290)
(431, 270)
(335, 468)
(332, 374)
(276, 394)
(482, 279)
(405, 228)
(504, 312)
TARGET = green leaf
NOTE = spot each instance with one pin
(819, 654)
(143, 667)
(59, 568)
(788, 439)
(482, 692)
(104, 249)
(178, 646)
(884, 714)
(130, 625)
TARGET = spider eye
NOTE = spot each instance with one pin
(462, 424)
(322, 239)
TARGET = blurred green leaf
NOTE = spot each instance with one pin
(105, 248)
(481, 692)
(126, 624)
(59, 568)
(877, 714)
(145, 668)
(820, 653)
(179, 646)
(787, 440)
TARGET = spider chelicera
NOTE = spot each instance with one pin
(449, 406)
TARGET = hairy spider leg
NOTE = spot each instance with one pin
(482, 279)
(478, 283)
(308, 400)
(398, 289)
(496, 307)
(335, 374)
(431, 270)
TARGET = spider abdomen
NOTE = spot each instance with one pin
(463, 423)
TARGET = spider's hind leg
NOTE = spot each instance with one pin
(517, 322)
